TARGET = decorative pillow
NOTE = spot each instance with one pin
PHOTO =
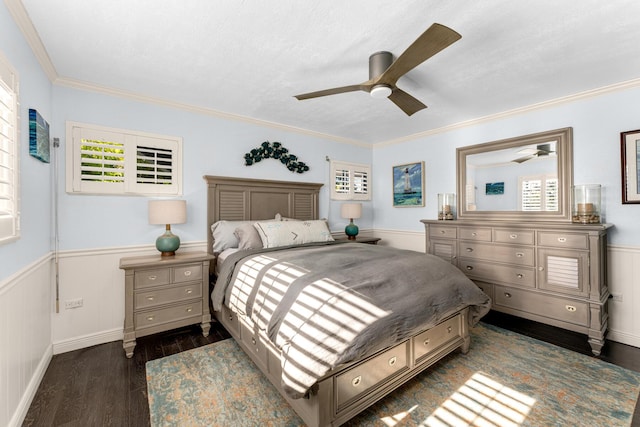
(248, 237)
(285, 233)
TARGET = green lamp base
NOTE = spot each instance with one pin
(168, 243)
(351, 231)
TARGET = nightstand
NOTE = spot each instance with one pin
(369, 240)
(165, 293)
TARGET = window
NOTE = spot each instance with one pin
(538, 193)
(9, 153)
(112, 161)
(351, 181)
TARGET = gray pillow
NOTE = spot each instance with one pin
(248, 237)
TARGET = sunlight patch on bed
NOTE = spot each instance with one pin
(318, 328)
(245, 280)
(482, 401)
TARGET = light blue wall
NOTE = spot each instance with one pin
(596, 122)
(212, 146)
(35, 176)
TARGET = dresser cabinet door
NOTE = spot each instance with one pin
(564, 271)
(445, 249)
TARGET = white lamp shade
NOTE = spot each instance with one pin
(351, 210)
(167, 211)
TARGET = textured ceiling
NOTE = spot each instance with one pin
(248, 58)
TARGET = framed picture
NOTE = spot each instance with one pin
(38, 136)
(494, 188)
(630, 154)
(408, 185)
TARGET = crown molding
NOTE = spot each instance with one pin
(629, 84)
(86, 86)
(22, 20)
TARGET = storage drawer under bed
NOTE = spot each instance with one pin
(425, 343)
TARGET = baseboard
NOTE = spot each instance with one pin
(30, 392)
(624, 338)
(89, 340)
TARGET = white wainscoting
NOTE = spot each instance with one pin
(95, 277)
(26, 305)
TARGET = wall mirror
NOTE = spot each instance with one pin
(527, 178)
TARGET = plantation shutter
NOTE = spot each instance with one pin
(115, 162)
(551, 195)
(351, 181)
(9, 172)
(531, 195)
(538, 193)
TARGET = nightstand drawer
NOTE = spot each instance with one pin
(147, 278)
(152, 318)
(187, 273)
(157, 297)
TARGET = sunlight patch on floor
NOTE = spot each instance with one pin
(481, 401)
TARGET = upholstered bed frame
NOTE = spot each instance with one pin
(346, 391)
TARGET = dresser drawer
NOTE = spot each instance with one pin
(521, 255)
(147, 278)
(492, 273)
(148, 319)
(439, 335)
(187, 273)
(505, 235)
(155, 297)
(443, 231)
(566, 310)
(475, 233)
(252, 340)
(361, 379)
(563, 240)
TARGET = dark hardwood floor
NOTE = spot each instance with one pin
(99, 386)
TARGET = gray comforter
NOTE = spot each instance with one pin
(325, 305)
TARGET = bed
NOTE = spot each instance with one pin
(324, 320)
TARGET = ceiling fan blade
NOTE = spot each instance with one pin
(436, 38)
(406, 102)
(333, 91)
(523, 159)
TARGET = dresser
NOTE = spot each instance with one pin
(553, 273)
(165, 293)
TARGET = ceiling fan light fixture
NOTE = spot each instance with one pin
(380, 91)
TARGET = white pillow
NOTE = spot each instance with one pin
(223, 233)
(286, 233)
(248, 237)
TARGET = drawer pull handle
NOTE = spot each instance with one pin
(469, 267)
(519, 254)
(570, 308)
(541, 268)
(150, 318)
(187, 273)
(426, 342)
(152, 277)
(189, 310)
(519, 275)
(562, 239)
(231, 318)
(474, 234)
(189, 291)
(513, 236)
(356, 381)
(449, 329)
(469, 249)
(253, 341)
(443, 231)
(393, 361)
(507, 294)
(150, 298)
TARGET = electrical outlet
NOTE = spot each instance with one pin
(73, 303)
(616, 297)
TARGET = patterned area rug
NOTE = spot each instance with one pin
(506, 379)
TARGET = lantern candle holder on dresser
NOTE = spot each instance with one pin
(586, 204)
(446, 206)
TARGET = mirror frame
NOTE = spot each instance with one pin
(564, 151)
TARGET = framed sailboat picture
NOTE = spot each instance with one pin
(408, 185)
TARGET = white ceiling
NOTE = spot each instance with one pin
(248, 58)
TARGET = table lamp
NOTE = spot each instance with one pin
(167, 212)
(351, 211)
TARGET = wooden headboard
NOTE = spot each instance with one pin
(243, 199)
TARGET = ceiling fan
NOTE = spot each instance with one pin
(384, 72)
(541, 150)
